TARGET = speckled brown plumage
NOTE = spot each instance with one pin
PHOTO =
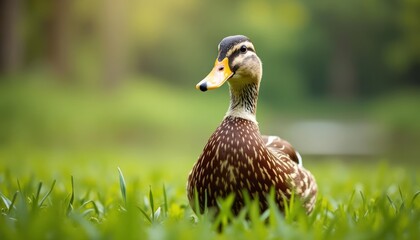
(237, 157)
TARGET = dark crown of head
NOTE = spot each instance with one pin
(228, 42)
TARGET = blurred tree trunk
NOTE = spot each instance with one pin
(59, 36)
(11, 42)
(113, 43)
(342, 82)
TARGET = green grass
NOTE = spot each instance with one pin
(78, 163)
(372, 201)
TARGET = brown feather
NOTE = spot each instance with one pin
(280, 147)
(236, 159)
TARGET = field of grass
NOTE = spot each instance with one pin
(61, 152)
(369, 201)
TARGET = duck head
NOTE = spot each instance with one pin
(237, 63)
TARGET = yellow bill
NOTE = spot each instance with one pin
(219, 74)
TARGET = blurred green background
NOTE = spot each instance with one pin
(112, 82)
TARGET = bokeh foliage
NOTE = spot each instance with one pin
(309, 49)
(106, 73)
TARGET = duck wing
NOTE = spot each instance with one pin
(301, 179)
(280, 147)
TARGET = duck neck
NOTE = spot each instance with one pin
(243, 101)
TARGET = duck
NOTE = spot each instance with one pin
(237, 159)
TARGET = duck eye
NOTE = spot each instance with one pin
(243, 49)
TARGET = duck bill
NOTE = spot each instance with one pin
(220, 73)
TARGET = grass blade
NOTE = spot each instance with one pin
(152, 204)
(402, 199)
(36, 197)
(156, 214)
(70, 206)
(97, 207)
(12, 204)
(6, 201)
(48, 193)
(350, 202)
(392, 203)
(165, 202)
(145, 215)
(363, 198)
(196, 204)
(123, 187)
(414, 197)
(72, 191)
